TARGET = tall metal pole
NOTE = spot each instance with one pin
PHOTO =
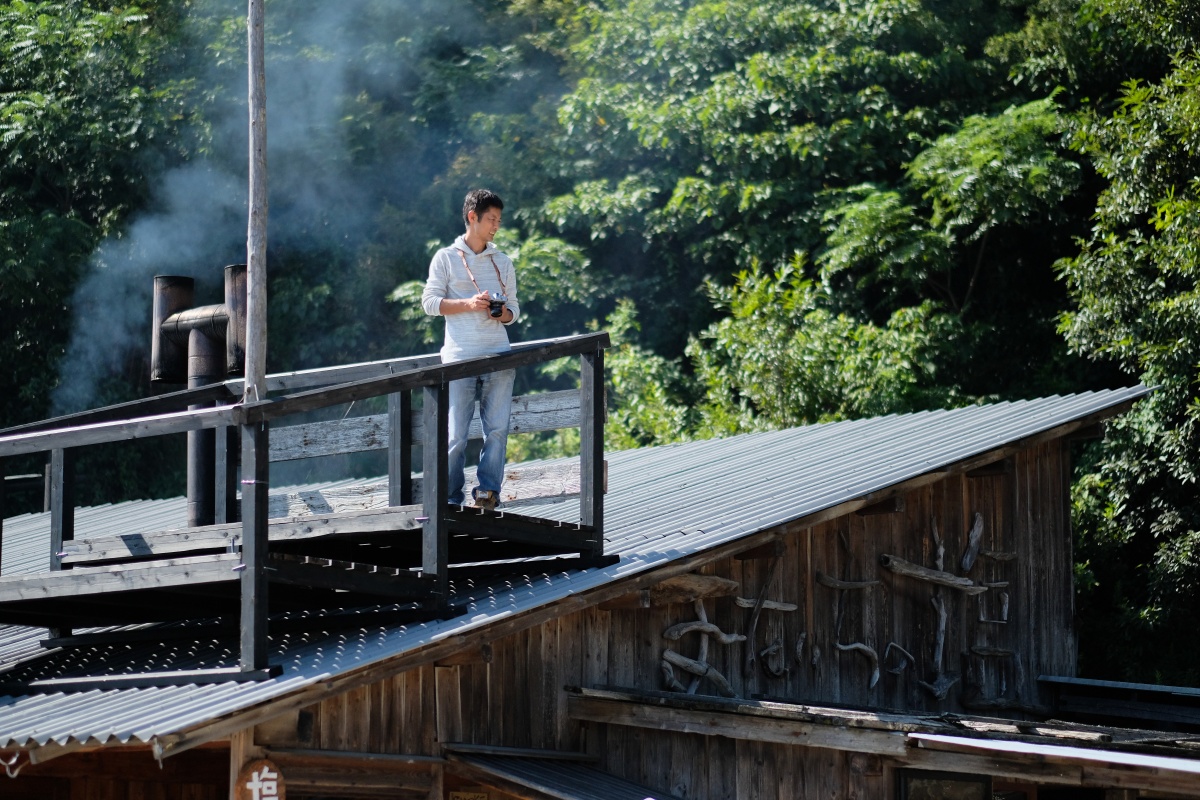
(256, 235)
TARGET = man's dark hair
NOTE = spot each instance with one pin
(479, 201)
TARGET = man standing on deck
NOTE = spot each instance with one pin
(474, 286)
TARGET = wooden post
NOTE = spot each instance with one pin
(400, 484)
(2, 505)
(242, 751)
(225, 474)
(591, 448)
(435, 538)
(256, 234)
(255, 483)
(62, 512)
(62, 503)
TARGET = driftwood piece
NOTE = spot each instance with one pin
(798, 652)
(835, 583)
(702, 657)
(669, 677)
(983, 651)
(768, 605)
(941, 685)
(869, 653)
(905, 662)
(702, 670)
(942, 682)
(939, 559)
(679, 589)
(1003, 619)
(752, 628)
(997, 555)
(765, 655)
(676, 632)
(973, 538)
(816, 656)
(939, 605)
(911, 570)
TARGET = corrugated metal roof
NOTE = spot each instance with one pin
(664, 503)
(561, 779)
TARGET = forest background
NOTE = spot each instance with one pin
(784, 212)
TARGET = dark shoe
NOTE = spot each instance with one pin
(486, 499)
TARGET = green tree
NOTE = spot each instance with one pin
(1135, 285)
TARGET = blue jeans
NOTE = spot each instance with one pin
(495, 406)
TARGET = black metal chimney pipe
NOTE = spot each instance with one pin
(187, 345)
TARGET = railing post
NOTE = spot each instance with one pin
(3, 504)
(62, 511)
(435, 538)
(255, 485)
(400, 485)
(591, 448)
(62, 503)
(225, 474)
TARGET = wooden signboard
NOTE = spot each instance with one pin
(260, 780)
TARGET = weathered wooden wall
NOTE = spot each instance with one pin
(517, 698)
(123, 775)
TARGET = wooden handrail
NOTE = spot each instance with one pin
(179, 422)
(520, 355)
(134, 409)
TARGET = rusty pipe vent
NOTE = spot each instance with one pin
(187, 345)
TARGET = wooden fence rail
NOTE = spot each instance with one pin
(397, 430)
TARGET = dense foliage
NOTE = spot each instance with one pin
(783, 211)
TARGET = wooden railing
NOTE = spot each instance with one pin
(247, 427)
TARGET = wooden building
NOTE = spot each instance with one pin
(868, 609)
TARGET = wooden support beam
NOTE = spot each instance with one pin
(436, 534)
(254, 605)
(228, 536)
(85, 581)
(995, 469)
(592, 412)
(465, 748)
(892, 505)
(556, 536)
(400, 441)
(679, 589)
(737, 726)
(766, 550)
(347, 576)
(356, 774)
(468, 655)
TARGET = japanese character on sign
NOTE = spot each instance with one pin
(263, 784)
(260, 780)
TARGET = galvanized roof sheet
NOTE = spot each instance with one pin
(561, 779)
(664, 503)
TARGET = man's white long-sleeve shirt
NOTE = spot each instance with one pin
(472, 333)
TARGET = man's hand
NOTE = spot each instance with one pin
(480, 302)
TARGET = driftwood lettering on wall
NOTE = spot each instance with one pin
(698, 667)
